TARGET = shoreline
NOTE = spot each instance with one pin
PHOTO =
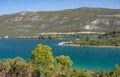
(63, 44)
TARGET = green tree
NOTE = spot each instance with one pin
(116, 70)
(42, 55)
(6, 64)
(43, 60)
(63, 66)
(65, 61)
(23, 69)
(88, 38)
(78, 73)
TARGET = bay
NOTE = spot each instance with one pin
(90, 58)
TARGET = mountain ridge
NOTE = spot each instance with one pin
(70, 20)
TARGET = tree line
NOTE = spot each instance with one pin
(111, 34)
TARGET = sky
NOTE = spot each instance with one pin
(13, 6)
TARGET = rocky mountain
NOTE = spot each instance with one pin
(72, 20)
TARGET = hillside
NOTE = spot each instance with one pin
(72, 20)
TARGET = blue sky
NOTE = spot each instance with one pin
(13, 6)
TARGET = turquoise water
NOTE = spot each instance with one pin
(91, 58)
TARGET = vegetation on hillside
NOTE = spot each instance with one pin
(111, 34)
(72, 20)
(90, 42)
(50, 37)
(43, 64)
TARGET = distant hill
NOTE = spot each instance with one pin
(71, 20)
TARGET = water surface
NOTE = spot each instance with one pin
(91, 58)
